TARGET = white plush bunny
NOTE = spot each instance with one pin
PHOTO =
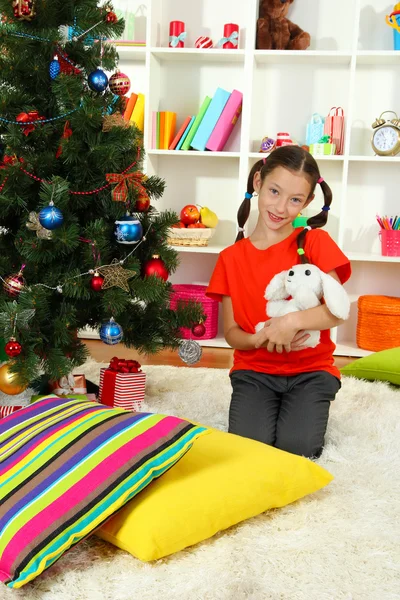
(306, 284)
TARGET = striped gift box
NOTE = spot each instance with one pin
(122, 390)
(8, 410)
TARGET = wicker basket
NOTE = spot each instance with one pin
(378, 325)
(189, 237)
(210, 308)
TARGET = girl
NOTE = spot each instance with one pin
(281, 391)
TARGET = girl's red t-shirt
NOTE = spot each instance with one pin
(243, 273)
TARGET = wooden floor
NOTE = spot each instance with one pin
(217, 358)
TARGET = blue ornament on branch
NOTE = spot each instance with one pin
(54, 68)
(98, 80)
(111, 333)
(51, 217)
(128, 230)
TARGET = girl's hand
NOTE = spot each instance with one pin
(280, 334)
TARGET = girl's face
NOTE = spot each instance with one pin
(281, 196)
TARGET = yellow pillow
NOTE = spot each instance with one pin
(223, 480)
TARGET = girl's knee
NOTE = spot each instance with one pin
(302, 447)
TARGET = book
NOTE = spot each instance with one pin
(137, 115)
(180, 133)
(162, 130)
(130, 106)
(189, 138)
(169, 131)
(226, 122)
(183, 138)
(210, 119)
(154, 129)
(158, 132)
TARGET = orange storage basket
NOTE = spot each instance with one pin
(378, 325)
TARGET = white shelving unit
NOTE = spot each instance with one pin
(351, 63)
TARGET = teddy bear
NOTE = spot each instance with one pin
(305, 285)
(275, 31)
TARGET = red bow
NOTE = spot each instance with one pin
(125, 366)
(28, 118)
(125, 181)
(10, 160)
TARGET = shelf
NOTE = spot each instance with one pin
(311, 57)
(376, 159)
(365, 257)
(198, 54)
(193, 153)
(135, 53)
(200, 249)
(334, 158)
(350, 349)
(217, 342)
(378, 58)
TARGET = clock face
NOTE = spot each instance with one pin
(386, 138)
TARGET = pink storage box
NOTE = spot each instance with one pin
(185, 292)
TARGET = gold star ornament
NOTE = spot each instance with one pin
(115, 276)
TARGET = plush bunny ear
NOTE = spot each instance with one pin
(276, 289)
(335, 296)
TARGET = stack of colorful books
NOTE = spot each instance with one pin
(134, 110)
(208, 130)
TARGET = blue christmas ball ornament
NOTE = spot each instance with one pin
(54, 68)
(128, 230)
(98, 80)
(51, 217)
(111, 333)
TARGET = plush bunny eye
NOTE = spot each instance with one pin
(291, 273)
(308, 272)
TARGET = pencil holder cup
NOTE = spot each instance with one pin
(390, 242)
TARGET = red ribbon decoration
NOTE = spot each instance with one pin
(120, 365)
(28, 118)
(123, 181)
(66, 134)
(117, 365)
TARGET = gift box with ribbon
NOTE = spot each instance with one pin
(122, 384)
(8, 409)
(323, 147)
(70, 384)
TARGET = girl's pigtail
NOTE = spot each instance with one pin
(317, 221)
(244, 209)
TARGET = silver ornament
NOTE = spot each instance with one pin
(190, 351)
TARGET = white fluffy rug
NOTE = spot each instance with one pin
(342, 543)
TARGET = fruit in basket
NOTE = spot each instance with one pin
(208, 217)
(179, 225)
(189, 214)
(196, 226)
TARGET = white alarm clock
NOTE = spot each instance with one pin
(386, 137)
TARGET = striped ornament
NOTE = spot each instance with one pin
(129, 390)
(203, 42)
(66, 466)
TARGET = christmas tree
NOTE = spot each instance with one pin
(80, 242)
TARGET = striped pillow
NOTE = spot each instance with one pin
(66, 466)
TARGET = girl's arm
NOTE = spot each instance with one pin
(234, 335)
(241, 340)
(279, 330)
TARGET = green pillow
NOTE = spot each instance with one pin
(380, 366)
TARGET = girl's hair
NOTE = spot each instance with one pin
(294, 159)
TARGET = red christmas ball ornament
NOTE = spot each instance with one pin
(111, 17)
(14, 284)
(13, 348)
(155, 266)
(198, 330)
(142, 204)
(119, 83)
(96, 283)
